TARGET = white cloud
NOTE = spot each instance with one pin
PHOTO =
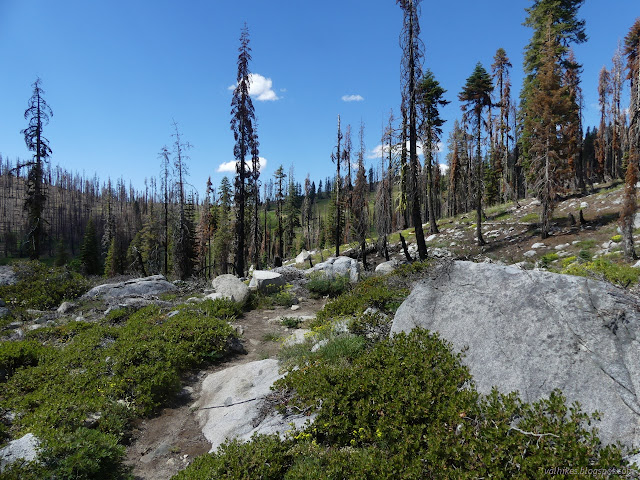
(444, 168)
(227, 167)
(230, 167)
(261, 88)
(352, 98)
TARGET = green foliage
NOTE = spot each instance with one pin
(530, 218)
(602, 268)
(85, 454)
(264, 457)
(548, 258)
(90, 250)
(616, 238)
(282, 297)
(407, 409)
(125, 367)
(568, 261)
(42, 287)
(321, 284)
(291, 322)
(14, 355)
(376, 292)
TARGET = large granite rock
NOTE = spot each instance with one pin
(138, 287)
(231, 404)
(229, 286)
(387, 267)
(534, 332)
(338, 266)
(25, 448)
(266, 281)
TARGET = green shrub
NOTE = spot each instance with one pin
(114, 372)
(282, 297)
(321, 284)
(264, 457)
(548, 258)
(291, 322)
(616, 238)
(42, 287)
(82, 455)
(568, 261)
(378, 292)
(602, 268)
(14, 355)
(407, 409)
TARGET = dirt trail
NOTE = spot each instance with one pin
(166, 444)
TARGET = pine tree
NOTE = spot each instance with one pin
(500, 68)
(549, 110)
(477, 95)
(629, 207)
(90, 250)
(360, 202)
(242, 120)
(279, 175)
(37, 114)
(430, 100)
(412, 54)
(566, 29)
(336, 198)
(223, 237)
(601, 139)
(183, 232)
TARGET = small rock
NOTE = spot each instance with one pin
(608, 244)
(66, 307)
(23, 448)
(92, 420)
(297, 337)
(4, 311)
(295, 307)
(319, 345)
(173, 313)
(431, 238)
(530, 253)
(538, 245)
(562, 246)
(637, 264)
(303, 256)
(195, 300)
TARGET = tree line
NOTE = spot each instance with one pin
(498, 151)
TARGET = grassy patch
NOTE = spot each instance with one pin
(605, 269)
(530, 218)
(282, 297)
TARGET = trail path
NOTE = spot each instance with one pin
(166, 444)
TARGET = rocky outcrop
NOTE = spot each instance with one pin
(232, 403)
(534, 332)
(266, 281)
(340, 266)
(230, 287)
(7, 276)
(138, 287)
(25, 448)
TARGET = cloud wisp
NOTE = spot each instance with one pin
(352, 98)
(261, 88)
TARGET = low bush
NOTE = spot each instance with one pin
(105, 375)
(14, 355)
(408, 409)
(321, 284)
(282, 297)
(605, 269)
(291, 322)
(41, 287)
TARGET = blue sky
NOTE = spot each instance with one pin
(117, 73)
